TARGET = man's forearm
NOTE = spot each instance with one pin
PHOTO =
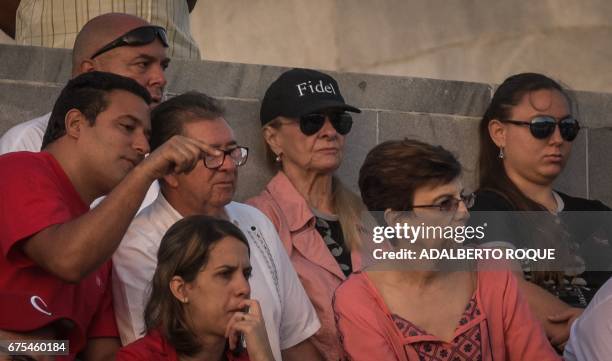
(76, 248)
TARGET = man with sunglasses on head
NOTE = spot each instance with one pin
(208, 190)
(115, 43)
(55, 263)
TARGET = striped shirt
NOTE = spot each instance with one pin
(56, 23)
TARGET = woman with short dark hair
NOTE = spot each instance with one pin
(426, 309)
(199, 308)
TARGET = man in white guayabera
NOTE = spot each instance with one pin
(208, 190)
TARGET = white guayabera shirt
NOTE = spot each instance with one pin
(591, 334)
(288, 314)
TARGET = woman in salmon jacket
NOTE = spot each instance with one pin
(426, 309)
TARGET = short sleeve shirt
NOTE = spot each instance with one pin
(591, 333)
(36, 194)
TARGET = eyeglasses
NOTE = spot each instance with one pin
(238, 155)
(543, 126)
(451, 204)
(312, 123)
(140, 36)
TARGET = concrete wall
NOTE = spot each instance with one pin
(470, 40)
(436, 111)
(5, 39)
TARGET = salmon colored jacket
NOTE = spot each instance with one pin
(509, 330)
(316, 267)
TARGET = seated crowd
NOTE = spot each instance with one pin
(119, 232)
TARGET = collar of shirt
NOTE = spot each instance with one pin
(290, 201)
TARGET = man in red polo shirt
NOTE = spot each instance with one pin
(55, 259)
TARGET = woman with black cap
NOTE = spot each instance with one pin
(305, 123)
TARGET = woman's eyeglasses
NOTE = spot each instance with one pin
(238, 155)
(140, 36)
(312, 123)
(451, 204)
(543, 126)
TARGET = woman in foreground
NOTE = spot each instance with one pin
(199, 308)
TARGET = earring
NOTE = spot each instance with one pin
(501, 153)
(278, 158)
(185, 300)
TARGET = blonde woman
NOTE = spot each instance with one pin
(305, 123)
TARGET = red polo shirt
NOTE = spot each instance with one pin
(154, 347)
(35, 194)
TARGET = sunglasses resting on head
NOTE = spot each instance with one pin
(136, 37)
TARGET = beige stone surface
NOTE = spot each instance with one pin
(436, 111)
(481, 40)
(287, 33)
(470, 40)
(5, 39)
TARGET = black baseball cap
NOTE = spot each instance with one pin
(298, 92)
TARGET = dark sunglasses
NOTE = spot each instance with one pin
(140, 36)
(312, 123)
(451, 204)
(543, 126)
(238, 155)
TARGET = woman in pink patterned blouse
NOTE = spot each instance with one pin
(413, 310)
